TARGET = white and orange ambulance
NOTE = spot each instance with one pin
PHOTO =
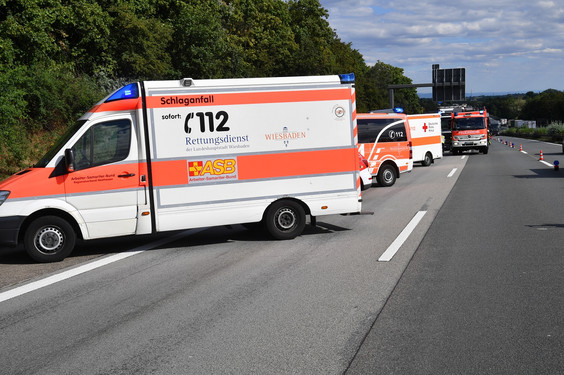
(426, 138)
(166, 155)
(384, 140)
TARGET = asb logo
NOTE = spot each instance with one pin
(212, 170)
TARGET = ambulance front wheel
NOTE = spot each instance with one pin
(49, 239)
(285, 220)
(386, 175)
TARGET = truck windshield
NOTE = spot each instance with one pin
(468, 123)
(42, 163)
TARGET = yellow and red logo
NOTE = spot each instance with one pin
(212, 169)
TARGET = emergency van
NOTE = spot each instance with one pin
(167, 155)
(384, 139)
(426, 138)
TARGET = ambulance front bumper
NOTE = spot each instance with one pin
(9, 229)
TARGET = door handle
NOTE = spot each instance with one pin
(126, 175)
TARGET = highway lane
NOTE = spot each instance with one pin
(225, 300)
(483, 294)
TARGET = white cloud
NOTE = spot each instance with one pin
(504, 45)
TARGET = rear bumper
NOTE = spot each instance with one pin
(9, 230)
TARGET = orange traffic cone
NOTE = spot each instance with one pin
(520, 147)
(541, 157)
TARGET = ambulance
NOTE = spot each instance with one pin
(167, 155)
(426, 138)
(384, 139)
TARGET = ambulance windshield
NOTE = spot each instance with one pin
(42, 163)
(468, 123)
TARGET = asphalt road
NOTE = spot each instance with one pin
(475, 288)
(484, 292)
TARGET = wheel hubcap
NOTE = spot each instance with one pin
(285, 219)
(49, 239)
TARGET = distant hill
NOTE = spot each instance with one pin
(428, 95)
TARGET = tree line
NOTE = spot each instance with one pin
(59, 57)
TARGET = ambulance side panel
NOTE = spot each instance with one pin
(425, 136)
(221, 154)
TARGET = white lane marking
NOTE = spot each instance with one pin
(547, 163)
(463, 156)
(18, 291)
(394, 247)
(452, 172)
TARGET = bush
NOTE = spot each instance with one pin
(556, 131)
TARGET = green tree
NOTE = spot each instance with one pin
(375, 93)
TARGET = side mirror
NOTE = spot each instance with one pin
(69, 160)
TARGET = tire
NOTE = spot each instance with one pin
(49, 239)
(427, 160)
(285, 220)
(386, 175)
(485, 150)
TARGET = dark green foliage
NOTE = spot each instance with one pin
(59, 57)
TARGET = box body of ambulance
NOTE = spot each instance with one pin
(166, 155)
(426, 138)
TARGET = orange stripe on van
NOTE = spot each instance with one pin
(247, 98)
(33, 182)
(297, 163)
(168, 173)
(426, 140)
(118, 105)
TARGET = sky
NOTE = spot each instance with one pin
(505, 46)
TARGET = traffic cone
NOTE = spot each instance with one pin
(541, 157)
(520, 147)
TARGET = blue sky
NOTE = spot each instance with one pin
(504, 45)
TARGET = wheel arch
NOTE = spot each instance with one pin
(298, 201)
(393, 164)
(50, 212)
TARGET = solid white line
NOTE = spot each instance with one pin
(452, 172)
(394, 247)
(547, 163)
(18, 291)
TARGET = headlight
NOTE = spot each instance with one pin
(3, 196)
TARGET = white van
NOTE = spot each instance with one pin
(166, 155)
(426, 138)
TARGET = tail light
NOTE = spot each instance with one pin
(410, 151)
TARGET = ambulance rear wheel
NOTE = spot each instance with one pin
(386, 175)
(49, 239)
(427, 160)
(285, 220)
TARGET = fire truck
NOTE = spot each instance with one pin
(469, 131)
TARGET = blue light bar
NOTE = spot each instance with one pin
(347, 78)
(398, 110)
(126, 92)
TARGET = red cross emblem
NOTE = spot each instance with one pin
(425, 127)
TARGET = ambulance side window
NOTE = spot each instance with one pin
(103, 143)
(369, 129)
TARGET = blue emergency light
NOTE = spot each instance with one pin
(126, 92)
(398, 110)
(347, 78)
